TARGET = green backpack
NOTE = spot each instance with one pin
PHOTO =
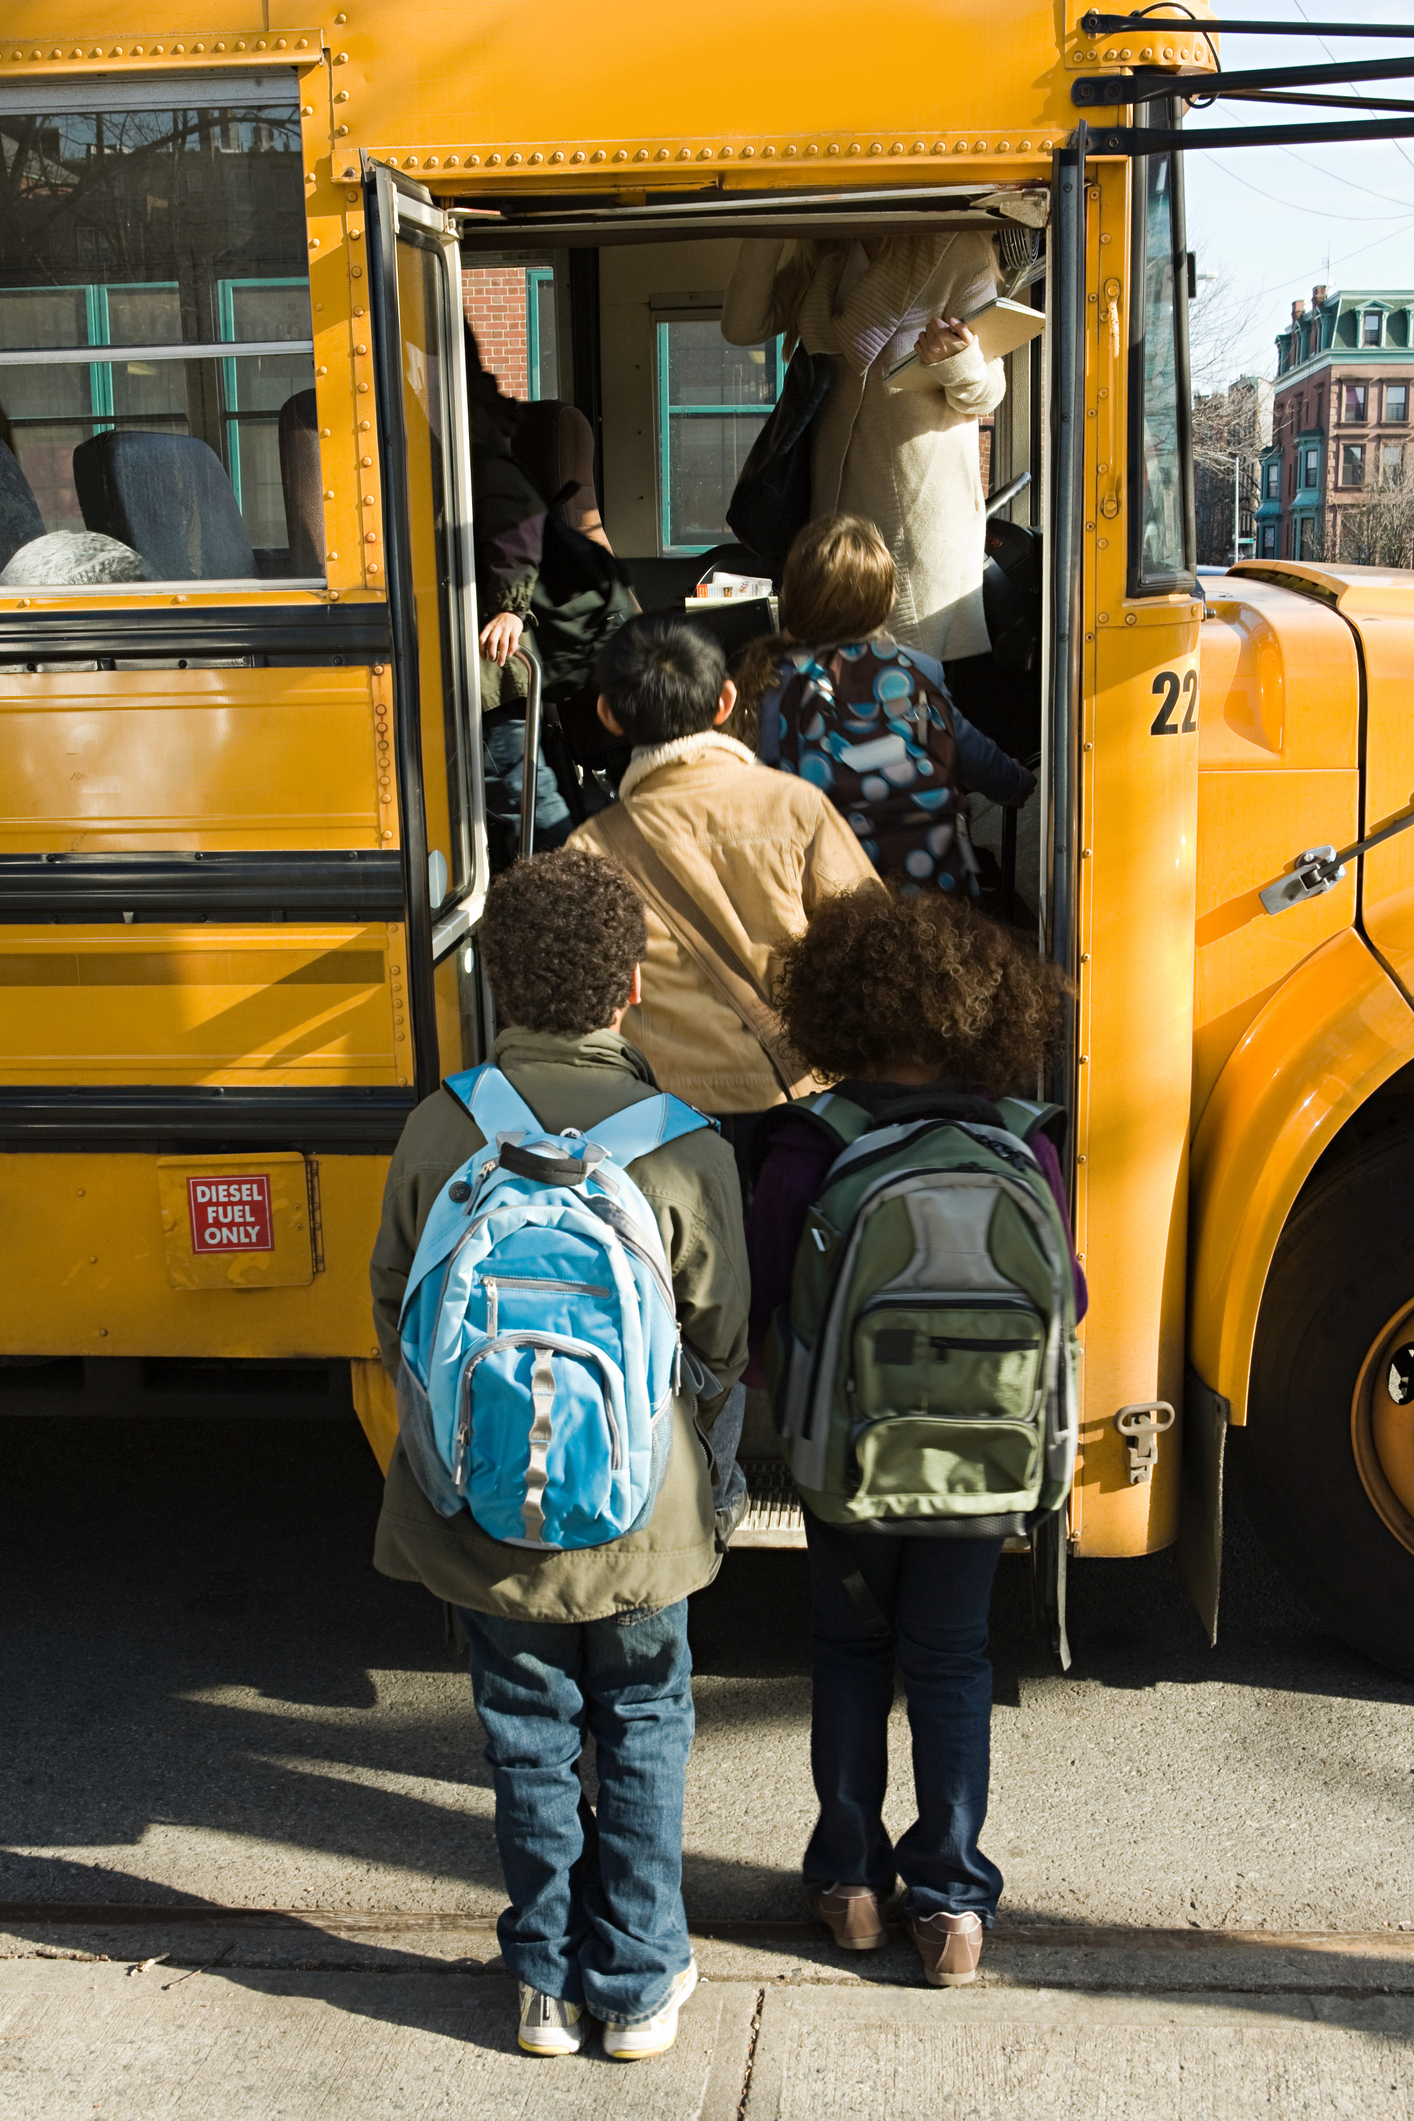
(924, 1366)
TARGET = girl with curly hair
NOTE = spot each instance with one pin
(884, 998)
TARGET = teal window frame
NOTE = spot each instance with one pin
(668, 412)
(95, 302)
(535, 278)
(232, 415)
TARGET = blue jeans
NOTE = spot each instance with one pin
(503, 763)
(937, 1592)
(596, 1914)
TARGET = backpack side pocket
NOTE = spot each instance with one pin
(419, 1442)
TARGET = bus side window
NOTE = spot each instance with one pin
(154, 323)
(1160, 475)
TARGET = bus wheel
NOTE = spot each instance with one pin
(1329, 1454)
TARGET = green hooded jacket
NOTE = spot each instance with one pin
(691, 1186)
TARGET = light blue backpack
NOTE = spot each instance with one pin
(540, 1346)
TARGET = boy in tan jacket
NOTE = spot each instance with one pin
(748, 853)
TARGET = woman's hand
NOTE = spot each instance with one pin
(500, 637)
(941, 338)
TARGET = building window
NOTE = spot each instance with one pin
(1396, 401)
(713, 400)
(1310, 474)
(1352, 463)
(1391, 463)
(1307, 539)
(1353, 404)
(541, 351)
(1370, 327)
(1271, 480)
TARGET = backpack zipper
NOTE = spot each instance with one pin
(542, 1281)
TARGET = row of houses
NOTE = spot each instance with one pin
(1312, 465)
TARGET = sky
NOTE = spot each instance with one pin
(1272, 222)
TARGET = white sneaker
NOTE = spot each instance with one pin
(654, 2036)
(548, 2026)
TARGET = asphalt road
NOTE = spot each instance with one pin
(209, 1693)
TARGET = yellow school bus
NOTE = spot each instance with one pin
(243, 844)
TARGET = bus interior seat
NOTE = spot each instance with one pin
(167, 496)
(554, 442)
(20, 520)
(302, 484)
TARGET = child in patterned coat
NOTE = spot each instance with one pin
(868, 721)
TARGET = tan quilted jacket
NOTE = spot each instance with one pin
(757, 850)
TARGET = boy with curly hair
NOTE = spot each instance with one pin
(591, 1638)
(883, 998)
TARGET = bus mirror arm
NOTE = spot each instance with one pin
(1322, 868)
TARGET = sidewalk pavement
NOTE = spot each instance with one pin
(318, 2018)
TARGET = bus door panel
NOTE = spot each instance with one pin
(415, 282)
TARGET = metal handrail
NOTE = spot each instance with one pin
(530, 760)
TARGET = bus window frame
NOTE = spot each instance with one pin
(1184, 580)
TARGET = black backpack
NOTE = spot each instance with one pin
(771, 500)
(581, 597)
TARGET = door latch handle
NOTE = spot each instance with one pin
(1322, 868)
(1141, 1426)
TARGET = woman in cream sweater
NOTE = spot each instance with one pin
(906, 459)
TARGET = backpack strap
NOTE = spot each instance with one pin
(698, 938)
(498, 1109)
(1025, 1118)
(837, 1118)
(638, 1129)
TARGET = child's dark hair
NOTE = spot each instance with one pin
(560, 937)
(876, 983)
(662, 679)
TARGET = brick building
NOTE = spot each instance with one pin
(511, 309)
(1341, 419)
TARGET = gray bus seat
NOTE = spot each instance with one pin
(168, 497)
(301, 482)
(20, 520)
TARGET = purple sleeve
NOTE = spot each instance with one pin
(790, 1179)
(1045, 1155)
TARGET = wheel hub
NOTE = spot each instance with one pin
(1382, 1426)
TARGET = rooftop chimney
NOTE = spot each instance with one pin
(1318, 296)
(1298, 310)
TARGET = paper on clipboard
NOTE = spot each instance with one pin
(1001, 327)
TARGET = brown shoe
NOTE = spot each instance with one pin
(950, 1947)
(852, 1915)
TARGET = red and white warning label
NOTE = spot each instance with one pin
(231, 1214)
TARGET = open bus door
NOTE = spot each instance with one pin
(424, 451)
(429, 719)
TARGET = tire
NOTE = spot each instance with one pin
(1344, 1269)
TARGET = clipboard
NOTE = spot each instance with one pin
(1001, 327)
